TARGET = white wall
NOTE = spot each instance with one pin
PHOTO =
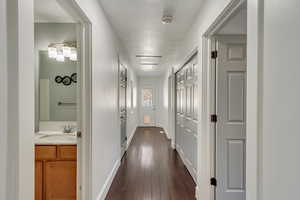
(105, 119)
(164, 112)
(237, 24)
(132, 108)
(281, 97)
(20, 104)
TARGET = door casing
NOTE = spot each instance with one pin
(207, 128)
(122, 96)
(150, 110)
(84, 119)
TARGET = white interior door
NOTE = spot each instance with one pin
(231, 123)
(148, 106)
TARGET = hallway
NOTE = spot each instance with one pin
(151, 170)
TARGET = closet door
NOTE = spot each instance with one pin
(187, 115)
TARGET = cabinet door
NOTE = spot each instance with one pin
(38, 180)
(60, 180)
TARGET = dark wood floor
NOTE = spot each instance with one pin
(151, 170)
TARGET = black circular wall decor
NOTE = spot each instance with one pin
(67, 80)
(58, 79)
(74, 77)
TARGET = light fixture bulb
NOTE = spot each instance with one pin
(66, 51)
(60, 56)
(73, 55)
(52, 52)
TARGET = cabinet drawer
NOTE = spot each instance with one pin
(67, 152)
(45, 152)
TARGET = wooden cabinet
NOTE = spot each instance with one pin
(39, 180)
(55, 172)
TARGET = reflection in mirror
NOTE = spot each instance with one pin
(57, 89)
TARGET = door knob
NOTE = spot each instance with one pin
(79, 134)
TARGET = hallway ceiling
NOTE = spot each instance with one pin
(139, 26)
(49, 11)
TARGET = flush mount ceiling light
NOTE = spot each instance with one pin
(147, 67)
(149, 63)
(60, 51)
(147, 56)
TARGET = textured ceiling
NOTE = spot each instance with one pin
(138, 24)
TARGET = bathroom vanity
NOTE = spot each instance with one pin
(55, 166)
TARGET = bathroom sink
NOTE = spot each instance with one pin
(55, 138)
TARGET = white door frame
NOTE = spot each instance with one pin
(123, 148)
(171, 108)
(209, 103)
(3, 101)
(155, 100)
(84, 157)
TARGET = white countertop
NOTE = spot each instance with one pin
(55, 138)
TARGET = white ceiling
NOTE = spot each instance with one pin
(138, 24)
(49, 11)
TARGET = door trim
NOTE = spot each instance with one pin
(124, 145)
(209, 102)
(84, 157)
(156, 99)
(3, 101)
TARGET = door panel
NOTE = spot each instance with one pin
(60, 180)
(231, 111)
(148, 106)
(186, 114)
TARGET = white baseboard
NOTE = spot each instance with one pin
(108, 181)
(187, 163)
(197, 195)
(173, 145)
(130, 138)
(167, 134)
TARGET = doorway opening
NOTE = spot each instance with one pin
(186, 113)
(225, 68)
(123, 106)
(63, 101)
(149, 97)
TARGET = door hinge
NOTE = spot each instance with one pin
(214, 118)
(214, 54)
(213, 181)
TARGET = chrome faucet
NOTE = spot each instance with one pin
(68, 129)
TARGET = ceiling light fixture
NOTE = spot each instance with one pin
(167, 19)
(147, 67)
(149, 63)
(147, 56)
(60, 51)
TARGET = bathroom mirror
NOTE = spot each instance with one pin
(57, 89)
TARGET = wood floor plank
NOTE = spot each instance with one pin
(151, 170)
